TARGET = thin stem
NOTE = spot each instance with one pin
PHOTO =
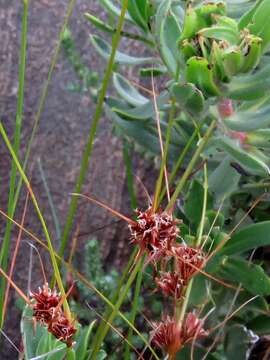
(34, 200)
(164, 158)
(191, 164)
(89, 146)
(121, 298)
(135, 301)
(29, 146)
(201, 226)
(181, 159)
(17, 137)
(130, 182)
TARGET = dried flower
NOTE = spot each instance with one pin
(167, 336)
(46, 305)
(47, 310)
(193, 328)
(170, 336)
(188, 261)
(171, 284)
(63, 329)
(154, 232)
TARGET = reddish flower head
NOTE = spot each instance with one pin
(63, 330)
(46, 305)
(167, 336)
(154, 232)
(188, 261)
(47, 311)
(171, 284)
(171, 336)
(193, 328)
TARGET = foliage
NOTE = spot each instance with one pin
(200, 106)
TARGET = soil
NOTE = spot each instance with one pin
(59, 143)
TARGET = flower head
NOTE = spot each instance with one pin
(167, 336)
(46, 304)
(188, 261)
(63, 329)
(47, 310)
(171, 284)
(193, 328)
(154, 232)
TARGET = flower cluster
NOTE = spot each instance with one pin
(171, 336)
(156, 233)
(47, 310)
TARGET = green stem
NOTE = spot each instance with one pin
(191, 165)
(135, 302)
(89, 146)
(115, 295)
(180, 160)
(17, 136)
(201, 226)
(164, 158)
(130, 182)
(33, 133)
(121, 299)
(34, 200)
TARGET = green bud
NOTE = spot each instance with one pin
(216, 59)
(187, 49)
(252, 54)
(200, 73)
(209, 9)
(233, 60)
(192, 24)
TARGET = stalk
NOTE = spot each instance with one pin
(17, 137)
(121, 298)
(34, 200)
(11, 210)
(135, 301)
(191, 164)
(89, 146)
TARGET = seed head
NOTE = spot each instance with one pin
(188, 260)
(171, 284)
(62, 329)
(46, 305)
(154, 232)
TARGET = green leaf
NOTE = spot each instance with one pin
(237, 342)
(44, 344)
(127, 91)
(260, 325)
(168, 32)
(250, 162)
(104, 49)
(194, 202)
(247, 16)
(137, 11)
(259, 25)
(222, 33)
(144, 135)
(30, 339)
(99, 23)
(249, 120)
(200, 73)
(251, 86)
(145, 111)
(114, 10)
(224, 179)
(83, 341)
(188, 97)
(251, 276)
(260, 138)
(249, 238)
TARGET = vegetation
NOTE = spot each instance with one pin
(197, 283)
